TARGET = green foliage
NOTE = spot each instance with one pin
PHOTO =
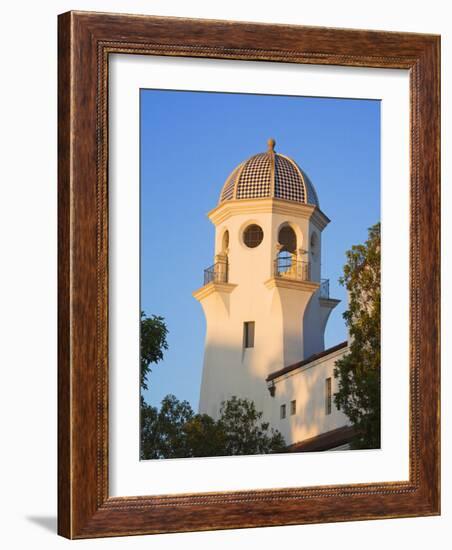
(175, 431)
(358, 372)
(244, 433)
(203, 437)
(153, 342)
(162, 430)
(148, 430)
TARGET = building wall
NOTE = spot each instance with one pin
(306, 386)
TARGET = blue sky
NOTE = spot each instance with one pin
(190, 142)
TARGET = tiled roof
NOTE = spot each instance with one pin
(269, 174)
(324, 441)
(315, 357)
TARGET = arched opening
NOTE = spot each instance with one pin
(287, 249)
(225, 242)
(289, 260)
(287, 239)
(221, 266)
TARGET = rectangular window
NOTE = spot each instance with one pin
(328, 396)
(248, 334)
(283, 411)
(293, 407)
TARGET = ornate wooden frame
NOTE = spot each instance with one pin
(85, 42)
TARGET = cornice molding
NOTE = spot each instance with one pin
(265, 206)
(292, 284)
(329, 302)
(210, 288)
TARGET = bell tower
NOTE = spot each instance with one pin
(265, 303)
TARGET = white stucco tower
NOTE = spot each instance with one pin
(265, 303)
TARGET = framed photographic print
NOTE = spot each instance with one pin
(248, 275)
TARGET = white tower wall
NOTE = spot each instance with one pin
(287, 313)
(287, 302)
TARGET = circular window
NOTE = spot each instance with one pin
(253, 235)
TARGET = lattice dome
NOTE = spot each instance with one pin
(269, 174)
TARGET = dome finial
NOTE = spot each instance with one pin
(271, 144)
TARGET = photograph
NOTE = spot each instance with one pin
(259, 274)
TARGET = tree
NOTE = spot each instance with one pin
(149, 435)
(153, 342)
(204, 437)
(244, 433)
(175, 431)
(162, 433)
(358, 372)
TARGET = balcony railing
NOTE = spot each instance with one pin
(324, 288)
(291, 268)
(286, 267)
(216, 273)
